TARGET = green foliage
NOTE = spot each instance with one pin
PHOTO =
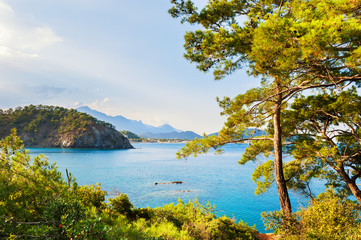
(327, 217)
(324, 131)
(122, 228)
(89, 196)
(263, 171)
(200, 222)
(37, 120)
(35, 202)
(30, 184)
(174, 221)
(330, 217)
(160, 230)
(277, 39)
(90, 226)
(27, 188)
(122, 205)
(294, 46)
(282, 224)
(130, 135)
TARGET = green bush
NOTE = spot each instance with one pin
(122, 205)
(36, 203)
(327, 217)
(330, 217)
(201, 222)
(282, 224)
(91, 226)
(27, 187)
(89, 196)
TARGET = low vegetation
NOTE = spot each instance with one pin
(328, 217)
(36, 202)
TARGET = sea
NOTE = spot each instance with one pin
(215, 179)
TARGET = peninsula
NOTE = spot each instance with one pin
(52, 126)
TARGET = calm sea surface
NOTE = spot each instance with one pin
(217, 179)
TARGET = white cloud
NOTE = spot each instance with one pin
(99, 104)
(76, 105)
(5, 8)
(6, 52)
(105, 100)
(19, 39)
(153, 120)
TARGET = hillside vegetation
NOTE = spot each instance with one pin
(50, 126)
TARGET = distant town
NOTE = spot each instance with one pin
(135, 138)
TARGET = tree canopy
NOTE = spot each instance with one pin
(325, 131)
(32, 118)
(315, 41)
(292, 45)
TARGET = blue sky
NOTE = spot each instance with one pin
(120, 57)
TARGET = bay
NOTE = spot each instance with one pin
(217, 179)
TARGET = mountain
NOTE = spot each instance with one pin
(138, 127)
(121, 123)
(49, 126)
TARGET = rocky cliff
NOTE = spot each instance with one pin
(94, 136)
(48, 126)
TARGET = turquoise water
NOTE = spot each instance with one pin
(217, 179)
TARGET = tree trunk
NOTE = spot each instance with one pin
(350, 183)
(278, 166)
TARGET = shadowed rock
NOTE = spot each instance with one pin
(174, 182)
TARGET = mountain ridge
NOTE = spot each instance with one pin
(122, 123)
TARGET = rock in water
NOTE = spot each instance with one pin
(174, 182)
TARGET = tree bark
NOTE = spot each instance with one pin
(278, 166)
(350, 183)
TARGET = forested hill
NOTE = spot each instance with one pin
(50, 126)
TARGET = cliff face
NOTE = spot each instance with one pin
(63, 128)
(94, 136)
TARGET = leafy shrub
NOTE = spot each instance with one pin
(201, 221)
(160, 230)
(282, 224)
(59, 212)
(27, 188)
(122, 205)
(122, 228)
(91, 226)
(327, 217)
(330, 217)
(36, 203)
(89, 196)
